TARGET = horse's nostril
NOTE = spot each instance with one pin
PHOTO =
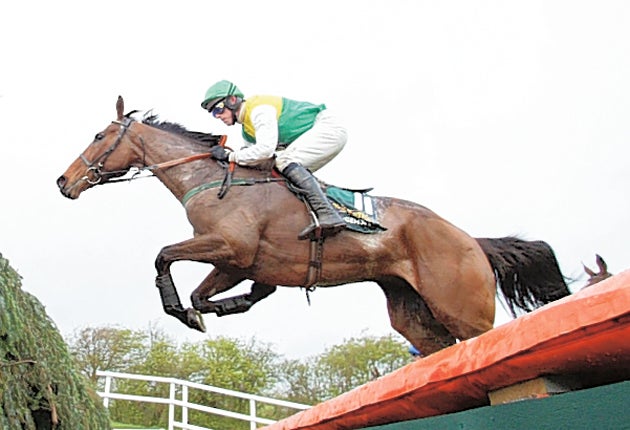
(61, 182)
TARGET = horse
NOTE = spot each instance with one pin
(595, 277)
(439, 282)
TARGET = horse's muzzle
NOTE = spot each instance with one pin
(62, 181)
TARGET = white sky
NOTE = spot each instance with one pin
(503, 117)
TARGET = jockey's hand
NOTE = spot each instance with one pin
(219, 153)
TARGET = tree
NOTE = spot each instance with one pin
(160, 359)
(340, 368)
(249, 367)
(40, 385)
(245, 366)
(107, 348)
(299, 382)
(357, 361)
(148, 352)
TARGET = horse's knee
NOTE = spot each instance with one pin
(160, 263)
(201, 303)
(165, 258)
(196, 300)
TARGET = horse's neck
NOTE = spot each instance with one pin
(154, 147)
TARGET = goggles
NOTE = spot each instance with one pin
(218, 109)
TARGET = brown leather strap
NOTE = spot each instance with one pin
(315, 263)
(178, 161)
(184, 160)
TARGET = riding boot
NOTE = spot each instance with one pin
(328, 219)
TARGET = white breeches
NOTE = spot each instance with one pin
(318, 146)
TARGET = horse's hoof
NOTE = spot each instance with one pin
(195, 320)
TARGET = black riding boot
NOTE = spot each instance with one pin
(327, 217)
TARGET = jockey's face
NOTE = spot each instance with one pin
(226, 116)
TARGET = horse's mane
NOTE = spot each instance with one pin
(205, 139)
(151, 119)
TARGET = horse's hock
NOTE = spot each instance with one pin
(40, 388)
(565, 365)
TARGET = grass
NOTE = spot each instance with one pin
(117, 425)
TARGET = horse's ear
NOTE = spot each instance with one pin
(588, 271)
(603, 267)
(120, 108)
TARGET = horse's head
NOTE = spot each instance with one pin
(595, 277)
(105, 158)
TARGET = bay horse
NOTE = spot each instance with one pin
(439, 282)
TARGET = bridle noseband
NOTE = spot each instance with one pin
(94, 174)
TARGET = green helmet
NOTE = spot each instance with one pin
(218, 92)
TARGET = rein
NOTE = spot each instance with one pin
(178, 161)
(167, 164)
(94, 174)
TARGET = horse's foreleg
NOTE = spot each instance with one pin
(216, 282)
(194, 250)
(242, 303)
(210, 248)
(173, 306)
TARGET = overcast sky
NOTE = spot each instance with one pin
(503, 117)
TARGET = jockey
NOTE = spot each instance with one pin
(303, 137)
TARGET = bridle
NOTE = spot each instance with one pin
(94, 173)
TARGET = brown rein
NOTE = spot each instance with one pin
(188, 159)
(178, 161)
(94, 169)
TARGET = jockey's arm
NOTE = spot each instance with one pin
(266, 127)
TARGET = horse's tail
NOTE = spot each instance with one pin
(527, 272)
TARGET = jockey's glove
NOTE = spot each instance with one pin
(219, 153)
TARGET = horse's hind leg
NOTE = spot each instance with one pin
(217, 282)
(411, 317)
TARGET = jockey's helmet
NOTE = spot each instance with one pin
(220, 91)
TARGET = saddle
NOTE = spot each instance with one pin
(355, 207)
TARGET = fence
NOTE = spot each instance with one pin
(182, 387)
(581, 339)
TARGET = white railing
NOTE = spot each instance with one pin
(180, 386)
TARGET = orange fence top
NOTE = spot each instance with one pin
(586, 334)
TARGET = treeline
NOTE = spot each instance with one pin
(248, 366)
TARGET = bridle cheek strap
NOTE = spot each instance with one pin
(93, 174)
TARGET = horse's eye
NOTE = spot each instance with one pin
(99, 136)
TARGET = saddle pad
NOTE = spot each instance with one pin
(356, 209)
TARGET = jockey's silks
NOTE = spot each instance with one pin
(294, 117)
